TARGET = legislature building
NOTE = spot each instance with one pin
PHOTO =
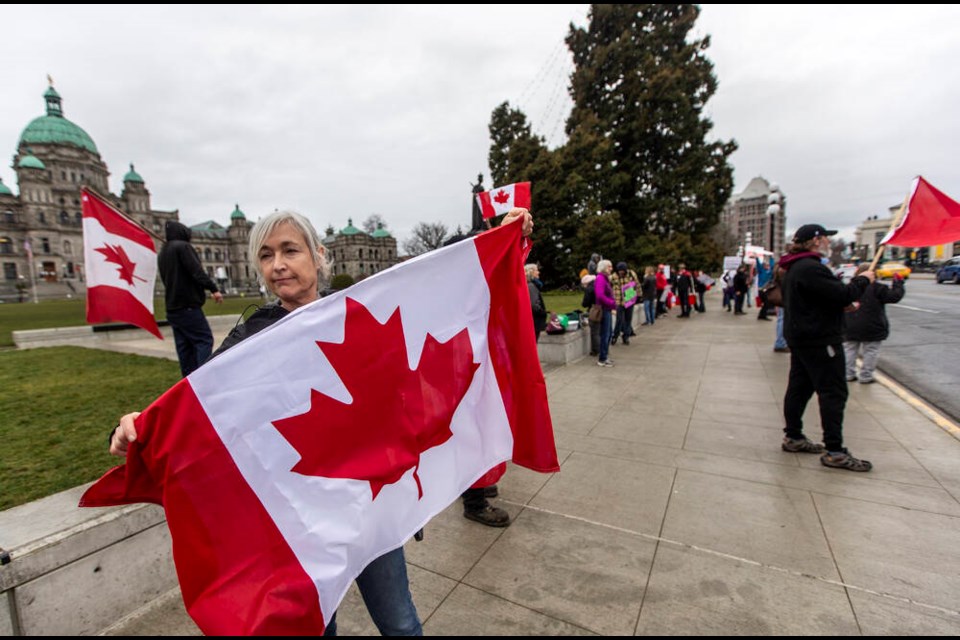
(55, 158)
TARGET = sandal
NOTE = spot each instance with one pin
(801, 445)
(843, 459)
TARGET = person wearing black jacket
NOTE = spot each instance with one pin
(537, 307)
(814, 300)
(867, 326)
(185, 282)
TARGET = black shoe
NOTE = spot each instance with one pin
(625, 341)
(488, 515)
(491, 491)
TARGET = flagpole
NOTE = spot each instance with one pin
(893, 225)
(33, 276)
(122, 214)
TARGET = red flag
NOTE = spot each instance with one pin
(500, 200)
(121, 266)
(289, 462)
(930, 218)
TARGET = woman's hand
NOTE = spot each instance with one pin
(124, 434)
(519, 213)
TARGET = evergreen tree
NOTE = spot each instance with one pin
(639, 88)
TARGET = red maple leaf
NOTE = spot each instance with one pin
(396, 414)
(118, 256)
(501, 197)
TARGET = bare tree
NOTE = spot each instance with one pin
(427, 236)
(370, 224)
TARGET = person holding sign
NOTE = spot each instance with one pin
(626, 286)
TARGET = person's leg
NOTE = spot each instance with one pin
(780, 343)
(628, 324)
(181, 339)
(386, 592)
(738, 302)
(202, 336)
(850, 348)
(331, 628)
(476, 507)
(605, 330)
(649, 307)
(618, 325)
(826, 367)
(798, 394)
(595, 328)
(871, 352)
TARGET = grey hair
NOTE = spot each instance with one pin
(603, 264)
(529, 268)
(268, 224)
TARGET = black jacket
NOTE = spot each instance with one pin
(814, 300)
(537, 307)
(183, 276)
(869, 322)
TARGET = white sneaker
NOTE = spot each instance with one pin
(605, 363)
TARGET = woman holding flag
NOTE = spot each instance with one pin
(287, 253)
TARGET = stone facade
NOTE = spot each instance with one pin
(761, 211)
(55, 158)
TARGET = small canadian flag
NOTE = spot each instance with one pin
(500, 200)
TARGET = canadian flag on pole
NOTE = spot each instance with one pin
(289, 462)
(930, 218)
(121, 266)
(501, 199)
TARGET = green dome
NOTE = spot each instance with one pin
(349, 230)
(4, 189)
(237, 214)
(380, 232)
(53, 128)
(31, 162)
(132, 176)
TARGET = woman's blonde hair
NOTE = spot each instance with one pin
(649, 271)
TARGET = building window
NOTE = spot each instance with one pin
(46, 244)
(73, 177)
(6, 245)
(360, 254)
(9, 271)
(67, 249)
(206, 254)
(42, 217)
(64, 217)
(8, 216)
(216, 255)
(79, 217)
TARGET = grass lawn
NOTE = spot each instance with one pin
(562, 301)
(58, 405)
(48, 314)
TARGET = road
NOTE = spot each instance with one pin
(923, 350)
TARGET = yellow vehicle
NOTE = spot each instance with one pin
(887, 269)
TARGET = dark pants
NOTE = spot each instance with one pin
(595, 337)
(684, 299)
(764, 310)
(700, 306)
(191, 333)
(624, 323)
(739, 297)
(821, 370)
(661, 307)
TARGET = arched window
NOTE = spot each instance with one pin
(41, 217)
(206, 254)
(216, 255)
(64, 217)
(67, 249)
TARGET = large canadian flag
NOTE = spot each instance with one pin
(289, 462)
(930, 218)
(500, 200)
(121, 266)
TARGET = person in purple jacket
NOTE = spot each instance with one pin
(604, 292)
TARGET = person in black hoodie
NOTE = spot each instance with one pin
(867, 326)
(185, 281)
(813, 301)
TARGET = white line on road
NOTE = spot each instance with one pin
(906, 306)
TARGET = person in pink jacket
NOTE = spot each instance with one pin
(604, 293)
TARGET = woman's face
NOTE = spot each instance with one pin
(289, 269)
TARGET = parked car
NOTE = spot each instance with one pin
(949, 271)
(887, 269)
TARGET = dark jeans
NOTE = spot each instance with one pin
(624, 323)
(821, 370)
(700, 306)
(386, 592)
(605, 329)
(191, 333)
(684, 300)
(738, 302)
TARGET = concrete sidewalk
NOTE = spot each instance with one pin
(676, 512)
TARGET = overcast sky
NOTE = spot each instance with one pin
(343, 111)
